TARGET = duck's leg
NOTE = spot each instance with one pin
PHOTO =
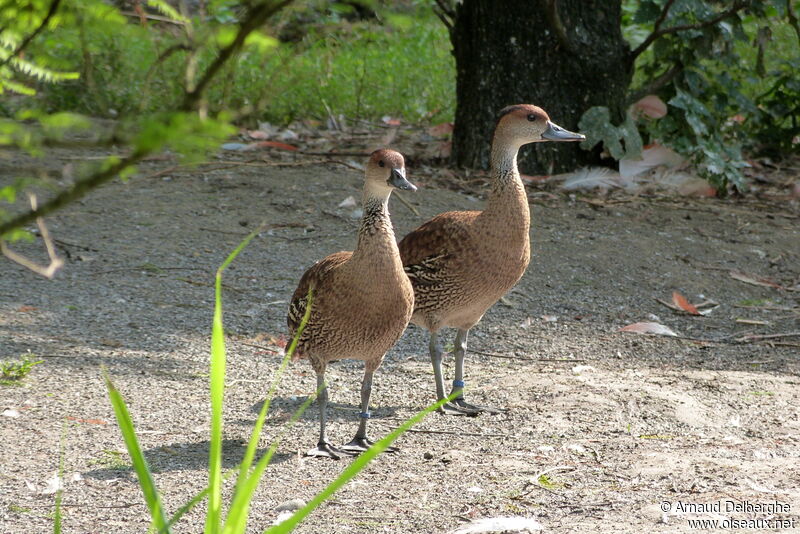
(361, 442)
(448, 408)
(324, 448)
(459, 352)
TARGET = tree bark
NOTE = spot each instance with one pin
(563, 55)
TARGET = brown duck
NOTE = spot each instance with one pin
(361, 300)
(461, 262)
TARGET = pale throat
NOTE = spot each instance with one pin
(508, 197)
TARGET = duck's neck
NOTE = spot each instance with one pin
(507, 200)
(376, 236)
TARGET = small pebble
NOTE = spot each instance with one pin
(428, 455)
(288, 506)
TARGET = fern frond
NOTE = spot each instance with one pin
(167, 10)
(41, 73)
(16, 87)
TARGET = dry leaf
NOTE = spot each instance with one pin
(271, 144)
(386, 119)
(650, 106)
(25, 309)
(681, 302)
(89, 421)
(349, 202)
(754, 280)
(257, 134)
(441, 130)
(648, 328)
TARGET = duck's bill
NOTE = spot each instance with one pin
(554, 132)
(398, 180)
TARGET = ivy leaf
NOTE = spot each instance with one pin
(621, 141)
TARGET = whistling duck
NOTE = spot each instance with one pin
(461, 262)
(361, 300)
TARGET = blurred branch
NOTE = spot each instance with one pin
(78, 190)
(25, 42)
(657, 83)
(659, 32)
(446, 12)
(55, 262)
(255, 18)
(556, 24)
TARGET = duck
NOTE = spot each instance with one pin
(461, 262)
(361, 300)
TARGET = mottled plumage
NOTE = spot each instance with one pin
(361, 300)
(461, 262)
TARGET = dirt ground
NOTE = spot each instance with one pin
(603, 428)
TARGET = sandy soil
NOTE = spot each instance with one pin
(602, 427)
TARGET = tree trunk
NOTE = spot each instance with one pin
(512, 52)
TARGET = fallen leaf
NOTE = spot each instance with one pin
(681, 302)
(349, 202)
(441, 130)
(651, 106)
(25, 309)
(271, 144)
(53, 485)
(257, 134)
(279, 341)
(648, 328)
(386, 119)
(88, 421)
(754, 280)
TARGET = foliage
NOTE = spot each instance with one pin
(11, 371)
(248, 474)
(726, 70)
(362, 69)
(186, 126)
(620, 141)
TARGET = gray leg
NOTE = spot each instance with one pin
(459, 353)
(324, 448)
(361, 442)
(449, 408)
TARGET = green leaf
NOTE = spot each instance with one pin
(354, 468)
(620, 141)
(217, 388)
(151, 495)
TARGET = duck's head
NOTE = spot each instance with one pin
(386, 170)
(525, 123)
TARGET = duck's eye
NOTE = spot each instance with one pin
(531, 117)
(381, 163)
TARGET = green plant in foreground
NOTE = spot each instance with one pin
(248, 475)
(17, 370)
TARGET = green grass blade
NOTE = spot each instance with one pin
(217, 386)
(194, 501)
(62, 451)
(246, 483)
(125, 424)
(353, 469)
(241, 502)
